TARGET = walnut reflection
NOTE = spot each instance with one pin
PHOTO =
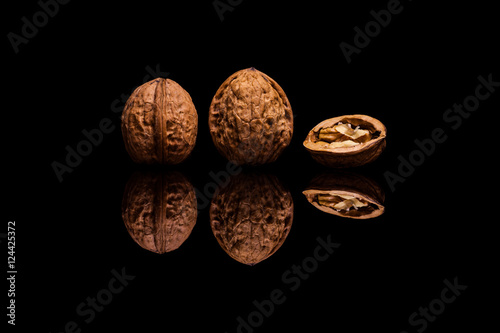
(346, 194)
(159, 210)
(251, 217)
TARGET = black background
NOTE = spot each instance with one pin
(437, 224)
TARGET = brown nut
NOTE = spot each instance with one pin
(346, 141)
(346, 194)
(159, 210)
(250, 118)
(251, 217)
(159, 123)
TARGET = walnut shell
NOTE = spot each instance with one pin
(346, 194)
(346, 141)
(251, 217)
(159, 210)
(250, 118)
(159, 123)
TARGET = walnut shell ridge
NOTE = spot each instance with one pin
(159, 123)
(159, 210)
(250, 118)
(251, 217)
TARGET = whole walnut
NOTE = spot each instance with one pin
(251, 217)
(159, 210)
(159, 123)
(250, 118)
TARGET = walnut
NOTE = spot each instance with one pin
(346, 194)
(250, 118)
(346, 141)
(159, 210)
(159, 123)
(251, 217)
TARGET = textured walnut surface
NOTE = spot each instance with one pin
(251, 217)
(345, 148)
(159, 210)
(159, 123)
(250, 118)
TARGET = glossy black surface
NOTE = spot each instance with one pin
(72, 244)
